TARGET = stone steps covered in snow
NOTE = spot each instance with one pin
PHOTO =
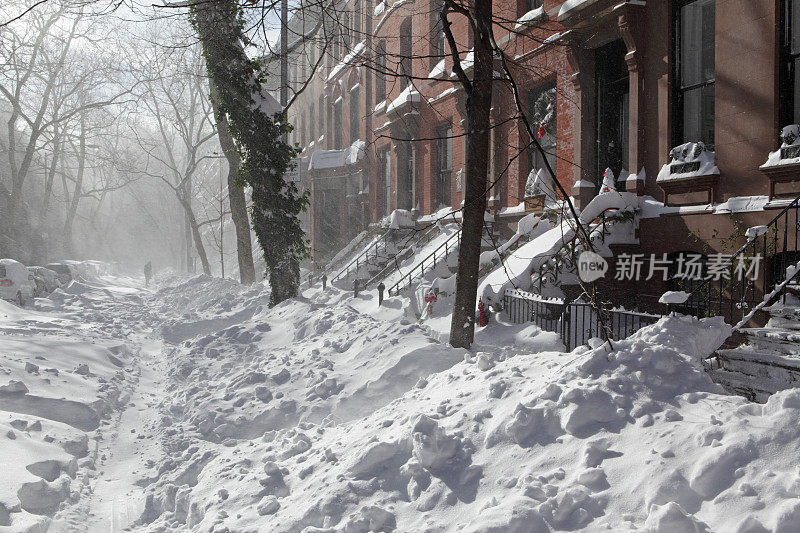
(774, 339)
(769, 361)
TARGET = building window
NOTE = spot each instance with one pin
(542, 115)
(346, 33)
(321, 111)
(311, 125)
(530, 5)
(380, 74)
(439, 44)
(406, 44)
(355, 114)
(790, 64)
(337, 124)
(357, 20)
(694, 72)
(444, 164)
(384, 189)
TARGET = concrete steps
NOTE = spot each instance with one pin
(767, 361)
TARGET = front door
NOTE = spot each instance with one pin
(612, 110)
(405, 178)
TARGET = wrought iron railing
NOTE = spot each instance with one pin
(522, 307)
(752, 272)
(576, 322)
(407, 250)
(429, 262)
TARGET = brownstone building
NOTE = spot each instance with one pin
(608, 84)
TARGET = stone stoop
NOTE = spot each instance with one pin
(769, 361)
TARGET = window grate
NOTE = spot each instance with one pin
(683, 168)
(790, 152)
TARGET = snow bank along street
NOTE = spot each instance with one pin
(195, 407)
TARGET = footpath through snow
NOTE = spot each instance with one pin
(327, 414)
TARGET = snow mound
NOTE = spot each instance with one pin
(634, 437)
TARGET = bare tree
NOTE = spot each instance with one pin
(43, 74)
(236, 196)
(174, 93)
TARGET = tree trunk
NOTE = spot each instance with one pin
(50, 177)
(479, 103)
(194, 230)
(277, 204)
(244, 246)
(72, 208)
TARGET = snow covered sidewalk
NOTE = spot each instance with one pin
(326, 414)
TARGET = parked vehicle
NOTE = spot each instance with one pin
(46, 280)
(16, 283)
(65, 272)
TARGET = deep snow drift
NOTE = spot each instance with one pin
(327, 414)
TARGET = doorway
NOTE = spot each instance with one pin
(405, 176)
(612, 110)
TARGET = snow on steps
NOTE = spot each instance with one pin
(420, 265)
(516, 270)
(769, 362)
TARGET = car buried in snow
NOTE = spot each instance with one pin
(65, 272)
(16, 283)
(46, 280)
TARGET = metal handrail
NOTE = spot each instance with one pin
(394, 265)
(745, 302)
(409, 276)
(345, 272)
(340, 263)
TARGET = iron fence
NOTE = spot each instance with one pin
(575, 322)
(764, 258)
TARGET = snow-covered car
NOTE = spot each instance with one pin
(65, 272)
(45, 279)
(16, 283)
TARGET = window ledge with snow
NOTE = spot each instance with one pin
(348, 60)
(783, 165)
(692, 169)
(406, 99)
(531, 17)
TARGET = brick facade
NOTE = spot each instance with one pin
(565, 49)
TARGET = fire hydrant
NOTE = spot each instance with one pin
(481, 316)
(430, 299)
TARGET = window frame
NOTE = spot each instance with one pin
(678, 90)
(355, 115)
(357, 20)
(444, 154)
(338, 140)
(380, 74)
(406, 55)
(533, 152)
(530, 5)
(439, 41)
(789, 107)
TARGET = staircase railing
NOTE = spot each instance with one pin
(394, 264)
(566, 254)
(337, 263)
(362, 258)
(419, 269)
(765, 257)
